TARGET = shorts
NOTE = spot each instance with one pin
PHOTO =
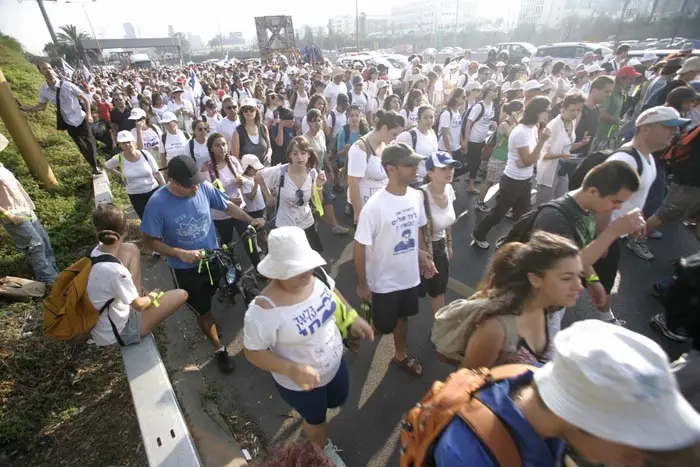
(388, 308)
(327, 193)
(681, 201)
(131, 334)
(436, 285)
(313, 405)
(199, 287)
(494, 170)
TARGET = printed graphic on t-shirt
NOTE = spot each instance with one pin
(191, 229)
(311, 318)
(404, 222)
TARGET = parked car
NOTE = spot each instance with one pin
(517, 50)
(567, 52)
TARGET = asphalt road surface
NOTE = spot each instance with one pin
(367, 427)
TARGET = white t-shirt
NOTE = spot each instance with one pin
(255, 204)
(289, 212)
(521, 137)
(226, 127)
(370, 171)
(304, 333)
(109, 281)
(647, 178)
(301, 105)
(331, 93)
(389, 227)
(442, 217)
(341, 118)
(361, 100)
(425, 146)
(152, 139)
(231, 188)
(410, 117)
(176, 145)
(184, 120)
(139, 175)
(201, 153)
(455, 128)
(480, 129)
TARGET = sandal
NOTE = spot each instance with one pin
(410, 365)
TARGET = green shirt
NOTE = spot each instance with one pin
(613, 105)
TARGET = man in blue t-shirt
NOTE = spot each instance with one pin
(608, 393)
(177, 223)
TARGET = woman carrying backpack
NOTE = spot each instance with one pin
(505, 321)
(355, 128)
(422, 138)
(251, 136)
(414, 99)
(138, 170)
(114, 285)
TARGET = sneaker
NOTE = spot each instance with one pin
(656, 235)
(509, 214)
(340, 230)
(155, 255)
(689, 223)
(639, 247)
(331, 452)
(618, 322)
(226, 365)
(480, 243)
(658, 322)
(482, 207)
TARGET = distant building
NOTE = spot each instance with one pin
(195, 40)
(430, 16)
(541, 12)
(374, 25)
(343, 24)
(129, 31)
(171, 31)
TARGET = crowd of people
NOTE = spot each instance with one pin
(593, 149)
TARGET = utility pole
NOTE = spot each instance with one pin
(680, 20)
(357, 24)
(47, 20)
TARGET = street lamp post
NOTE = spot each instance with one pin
(357, 25)
(48, 21)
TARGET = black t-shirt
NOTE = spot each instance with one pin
(588, 123)
(121, 119)
(552, 220)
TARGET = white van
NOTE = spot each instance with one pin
(570, 53)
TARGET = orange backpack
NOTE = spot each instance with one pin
(456, 398)
(68, 313)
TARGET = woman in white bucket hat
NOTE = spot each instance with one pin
(290, 331)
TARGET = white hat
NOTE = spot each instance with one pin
(532, 85)
(125, 136)
(505, 86)
(137, 114)
(248, 102)
(473, 86)
(649, 56)
(595, 68)
(382, 83)
(691, 64)
(289, 254)
(501, 64)
(251, 160)
(633, 62)
(168, 117)
(546, 84)
(667, 116)
(618, 386)
(525, 60)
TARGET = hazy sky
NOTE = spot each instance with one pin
(23, 20)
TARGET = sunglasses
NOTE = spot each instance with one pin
(248, 109)
(203, 128)
(300, 197)
(233, 107)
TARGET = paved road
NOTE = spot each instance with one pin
(367, 426)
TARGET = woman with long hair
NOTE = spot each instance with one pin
(392, 103)
(376, 102)
(225, 172)
(289, 188)
(414, 99)
(510, 114)
(147, 135)
(299, 102)
(422, 138)
(507, 317)
(159, 106)
(251, 136)
(175, 141)
(348, 134)
(525, 145)
(366, 175)
(450, 124)
(318, 102)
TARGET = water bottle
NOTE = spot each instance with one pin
(231, 275)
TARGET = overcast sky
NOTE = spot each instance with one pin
(23, 20)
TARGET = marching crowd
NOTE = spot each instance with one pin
(589, 160)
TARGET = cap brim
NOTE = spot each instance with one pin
(195, 179)
(676, 122)
(413, 159)
(453, 163)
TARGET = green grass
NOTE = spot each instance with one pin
(58, 403)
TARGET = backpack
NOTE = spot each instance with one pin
(465, 120)
(457, 397)
(678, 155)
(316, 206)
(146, 155)
(164, 136)
(334, 117)
(350, 98)
(344, 314)
(597, 158)
(68, 313)
(523, 228)
(414, 138)
(436, 125)
(242, 134)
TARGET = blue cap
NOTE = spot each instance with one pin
(441, 159)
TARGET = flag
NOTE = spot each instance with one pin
(86, 74)
(67, 69)
(195, 85)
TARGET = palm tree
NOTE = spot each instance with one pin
(71, 37)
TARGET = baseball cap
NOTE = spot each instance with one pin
(546, 84)
(649, 56)
(617, 385)
(251, 160)
(176, 89)
(627, 72)
(183, 170)
(441, 159)
(357, 79)
(473, 86)
(137, 114)
(168, 117)
(249, 102)
(667, 116)
(532, 85)
(125, 136)
(382, 84)
(691, 64)
(595, 68)
(401, 154)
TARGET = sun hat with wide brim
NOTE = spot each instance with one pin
(289, 254)
(618, 386)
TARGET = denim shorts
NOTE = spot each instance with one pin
(131, 334)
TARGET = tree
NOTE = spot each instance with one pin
(308, 36)
(70, 37)
(184, 42)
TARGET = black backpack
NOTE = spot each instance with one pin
(465, 119)
(597, 158)
(522, 230)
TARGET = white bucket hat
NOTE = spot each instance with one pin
(618, 386)
(289, 254)
(168, 117)
(125, 136)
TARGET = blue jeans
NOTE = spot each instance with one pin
(31, 239)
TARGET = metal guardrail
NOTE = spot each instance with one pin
(166, 438)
